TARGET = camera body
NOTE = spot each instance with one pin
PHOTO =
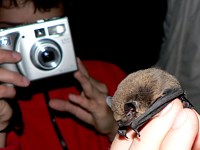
(46, 47)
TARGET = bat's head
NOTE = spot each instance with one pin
(127, 106)
(138, 91)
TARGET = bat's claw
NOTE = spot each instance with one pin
(186, 102)
(137, 132)
(122, 133)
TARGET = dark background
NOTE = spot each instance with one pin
(128, 34)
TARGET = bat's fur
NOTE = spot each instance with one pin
(141, 88)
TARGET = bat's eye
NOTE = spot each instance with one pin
(130, 106)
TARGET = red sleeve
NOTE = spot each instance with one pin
(12, 142)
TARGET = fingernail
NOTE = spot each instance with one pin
(25, 81)
(166, 109)
(181, 117)
(16, 55)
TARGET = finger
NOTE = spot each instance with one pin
(7, 91)
(124, 143)
(88, 83)
(5, 111)
(155, 131)
(59, 105)
(5, 114)
(183, 131)
(9, 56)
(101, 87)
(81, 101)
(83, 77)
(92, 106)
(196, 145)
(77, 111)
(82, 67)
(15, 78)
(85, 83)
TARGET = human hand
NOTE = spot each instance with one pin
(90, 105)
(7, 91)
(10, 77)
(5, 114)
(173, 128)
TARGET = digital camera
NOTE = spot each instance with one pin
(46, 47)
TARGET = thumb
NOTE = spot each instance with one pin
(5, 114)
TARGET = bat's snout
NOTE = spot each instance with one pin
(120, 123)
(123, 123)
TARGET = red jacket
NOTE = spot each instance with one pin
(39, 133)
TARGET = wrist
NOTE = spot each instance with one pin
(113, 133)
(2, 140)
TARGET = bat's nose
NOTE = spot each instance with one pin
(120, 123)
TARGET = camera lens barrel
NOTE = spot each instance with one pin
(46, 54)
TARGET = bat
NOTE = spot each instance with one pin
(141, 95)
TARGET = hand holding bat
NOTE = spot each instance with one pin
(174, 128)
(141, 96)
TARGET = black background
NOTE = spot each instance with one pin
(128, 34)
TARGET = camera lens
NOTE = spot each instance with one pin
(47, 57)
(46, 54)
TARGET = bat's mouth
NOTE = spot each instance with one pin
(122, 123)
(123, 128)
(122, 131)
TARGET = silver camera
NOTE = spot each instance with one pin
(46, 47)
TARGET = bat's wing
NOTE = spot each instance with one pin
(158, 105)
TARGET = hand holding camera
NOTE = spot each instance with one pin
(46, 47)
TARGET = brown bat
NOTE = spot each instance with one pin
(141, 95)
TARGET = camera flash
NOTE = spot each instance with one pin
(56, 30)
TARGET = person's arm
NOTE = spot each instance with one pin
(173, 128)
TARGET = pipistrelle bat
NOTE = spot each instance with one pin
(141, 95)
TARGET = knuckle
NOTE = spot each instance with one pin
(5, 55)
(7, 92)
(5, 111)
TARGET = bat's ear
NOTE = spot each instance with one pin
(132, 105)
(109, 101)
